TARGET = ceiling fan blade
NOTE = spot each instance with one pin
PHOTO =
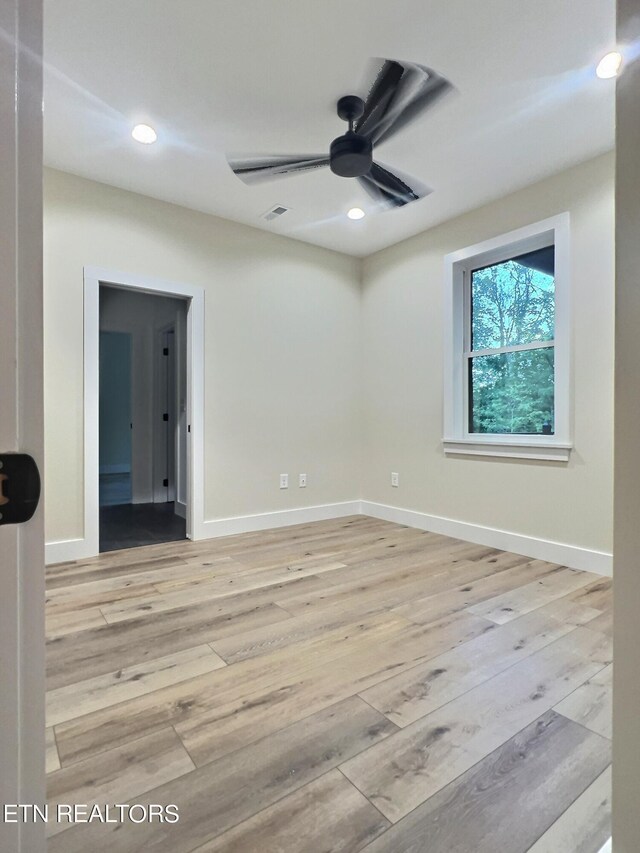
(380, 97)
(389, 190)
(252, 170)
(402, 91)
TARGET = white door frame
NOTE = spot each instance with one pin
(22, 684)
(93, 278)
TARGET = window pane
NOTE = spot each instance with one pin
(512, 392)
(513, 302)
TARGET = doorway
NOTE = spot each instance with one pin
(144, 341)
(142, 386)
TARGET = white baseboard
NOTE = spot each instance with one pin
(607, 847)
(67, 550)
(180, 509)
(539, 549)
(280, 518)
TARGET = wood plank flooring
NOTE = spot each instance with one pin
(348, 685)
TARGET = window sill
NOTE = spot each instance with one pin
(548, 451)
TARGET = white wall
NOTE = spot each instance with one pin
(281, 351)
(142, 315)
(402, 305)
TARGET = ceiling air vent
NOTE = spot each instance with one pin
(275, 212)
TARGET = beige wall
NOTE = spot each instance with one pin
(281, 354)
(317, 362)
(403, 366)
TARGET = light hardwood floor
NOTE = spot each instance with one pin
(340, 686)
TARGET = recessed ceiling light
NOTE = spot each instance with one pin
(609, 66)
(356, 213)
(145, 134)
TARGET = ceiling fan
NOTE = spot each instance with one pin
(401, 92)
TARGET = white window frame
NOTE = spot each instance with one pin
(458, 266)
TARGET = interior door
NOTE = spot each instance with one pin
(22, 738)
(165, 432)
(172, 422)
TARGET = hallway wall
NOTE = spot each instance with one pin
(115, 402)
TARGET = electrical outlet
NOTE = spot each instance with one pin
(395, 479)
(284, 481)
(302, 481)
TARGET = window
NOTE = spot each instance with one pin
(506, 378)
(511, 348)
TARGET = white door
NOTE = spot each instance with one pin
(165, 414)
(21, 417)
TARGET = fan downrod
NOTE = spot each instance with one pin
(350, 108)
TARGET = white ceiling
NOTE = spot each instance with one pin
(263, 76)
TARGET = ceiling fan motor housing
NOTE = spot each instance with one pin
(351, 155)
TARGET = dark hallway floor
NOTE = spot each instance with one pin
(132, 525)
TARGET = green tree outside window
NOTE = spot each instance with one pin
(513, 308)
